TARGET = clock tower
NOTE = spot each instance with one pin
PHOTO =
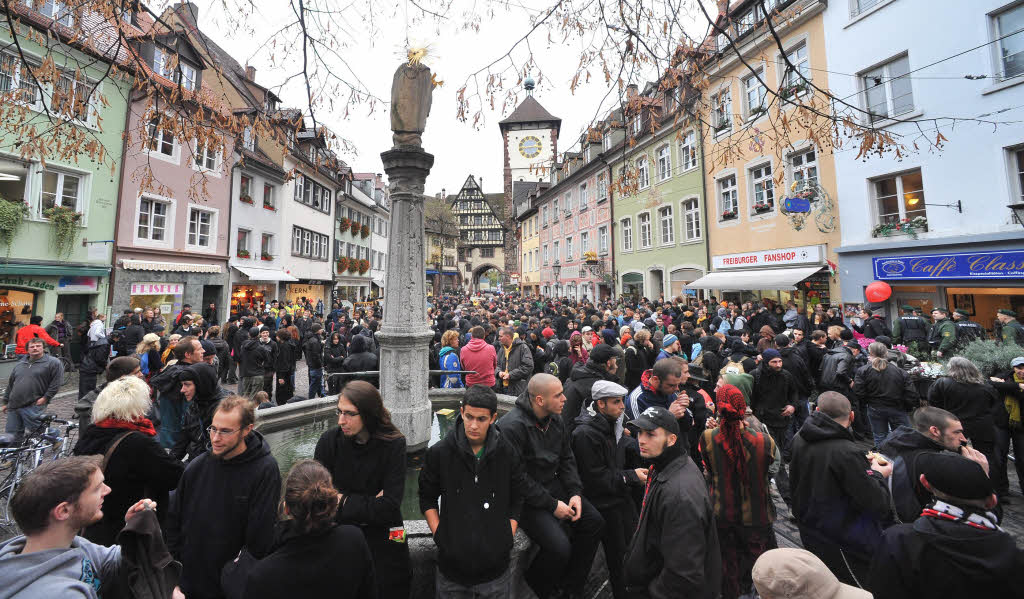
(530, 139)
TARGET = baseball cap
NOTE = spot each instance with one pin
(1018, 361)
(954, 475)
(656, 417)
(798, 574)
(604, 389)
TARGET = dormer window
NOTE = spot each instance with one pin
(188, 76)
(248, 139)
(164, 65)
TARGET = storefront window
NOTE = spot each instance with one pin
(16, 307)
(167, 297)
(250, 297)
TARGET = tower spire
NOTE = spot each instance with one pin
(528, 85)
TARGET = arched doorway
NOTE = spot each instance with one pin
(487, 277)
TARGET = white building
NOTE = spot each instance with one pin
(887, 60)
(381, 223)
(356, 209)
(308, 219)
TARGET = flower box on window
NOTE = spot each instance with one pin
(364, 265)
(728, 215)
(355, 229)
(793, 90)
(762, 207)
(242, 253)
(723, 126)
(364, 232)
(342, 264)
(757, 111)
(907, 226)
(344, 224)
(353, 265)
(246, 198)
(266, 256)
(270, 207)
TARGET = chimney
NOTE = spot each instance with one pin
(632, 90)
(481, 184)
(250, 73)
(188, 12)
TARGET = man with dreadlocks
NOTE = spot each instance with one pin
(737, 459)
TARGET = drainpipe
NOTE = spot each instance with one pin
(117, 205)
(707, 223)
(611, 227)
(231, 214)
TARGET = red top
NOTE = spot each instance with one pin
(33, 330)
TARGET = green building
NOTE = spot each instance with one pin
(660, 241)
(47, 268)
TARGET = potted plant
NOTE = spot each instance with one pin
(364, 265)
(728, 214)
(242, 254)
(906, 226)
(355, 229)
(266, 256)
(364, 232)
(723, 126)
(246, 198)
(353, 265)
(793, 90)
(12, 215)
(342, 264)
(758, 111)
(344, 224)
(65, 224)
(761, 207)
(269, 206)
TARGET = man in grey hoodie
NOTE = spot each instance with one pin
(53, 503)
(33, 383)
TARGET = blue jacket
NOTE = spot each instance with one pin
(450, 361)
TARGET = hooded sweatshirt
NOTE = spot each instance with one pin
(219, 507)
(78, 571)
(480, 356)
(194, 439)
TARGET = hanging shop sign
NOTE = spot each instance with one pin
(969, 265)
(807, 254)
(79, 284)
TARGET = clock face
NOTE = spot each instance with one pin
(529, 146)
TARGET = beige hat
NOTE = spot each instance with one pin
(799, 574)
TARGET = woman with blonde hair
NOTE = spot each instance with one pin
(134, 464)
(449, 358)
(171, 342)
(886, 390)
(148, 352)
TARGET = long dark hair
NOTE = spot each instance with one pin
(368, 402)
(310, 497)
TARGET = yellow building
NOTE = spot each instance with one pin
(762, 162)
(528, 230)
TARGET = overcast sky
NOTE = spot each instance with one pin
(458, 148)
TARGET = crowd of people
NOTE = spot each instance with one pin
(654, 430)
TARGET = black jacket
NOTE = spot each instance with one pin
(332, 563)
(283, 358)
(194, 439)
(891, 388)
(167, 383)
(638, 360)
(133, 335)
(255, 356)
(904, 445)
(334, 357)
(313, 349)
(219, 507)
(795, 364)
(834, 491)
(1007, 388)
(601, 461)
(939, 558)
(360, 360)
(520, 368)
(674, 552)
(147, 569)
(138, 469)
(837, 370)
(974, 405)
(772, 392)
(874, 327)
(547, 457)
(360, 471)
(478, 498)
(578, 392)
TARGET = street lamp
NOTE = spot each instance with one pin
(1018, 212)
(556, 269)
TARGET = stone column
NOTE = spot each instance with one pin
(404, 334)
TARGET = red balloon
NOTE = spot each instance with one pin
(877, 292)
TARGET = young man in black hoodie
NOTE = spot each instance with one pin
(840, 498)
(201, 393)
(601, 365)
(774, 401)
(956, 548)
(534, 428)
(480, 480)
(226, 499)
(602, 452)
(313, 349)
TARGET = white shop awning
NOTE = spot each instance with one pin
(264, 274)
(379, 282)
(750, 280)
(170, 266)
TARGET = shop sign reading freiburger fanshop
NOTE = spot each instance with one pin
(806, 254)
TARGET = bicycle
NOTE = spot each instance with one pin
(27, 456)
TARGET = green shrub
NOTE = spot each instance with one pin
(991, 357)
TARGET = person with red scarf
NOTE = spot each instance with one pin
(137, 467)
(737, 459)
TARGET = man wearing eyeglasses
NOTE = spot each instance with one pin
(226, 499)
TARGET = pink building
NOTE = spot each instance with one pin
(575, 221)
(171, 239)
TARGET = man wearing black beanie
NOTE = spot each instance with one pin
(956, 548)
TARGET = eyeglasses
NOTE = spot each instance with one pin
(214, 431)
(347, 413)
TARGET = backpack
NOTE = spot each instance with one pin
(733, 367)
(552, 368)
(144, 362)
